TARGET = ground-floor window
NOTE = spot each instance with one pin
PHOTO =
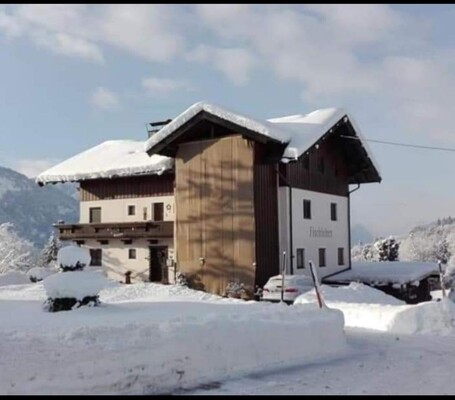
(96, 257)
(300, 258)
(322, 258)
(132, 254)
(340, 256)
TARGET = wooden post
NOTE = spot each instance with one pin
(283, 272)
(314, 275)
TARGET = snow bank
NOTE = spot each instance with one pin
(368, 308)
(71, 255)
(107, 160)
(13, 278)
(138, 347)
(353, 293)
(74, 284)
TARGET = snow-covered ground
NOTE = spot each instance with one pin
(150, 338)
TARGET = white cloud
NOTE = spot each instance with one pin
(235, 63)
(33, 167)
(104, 99)
(163, 86)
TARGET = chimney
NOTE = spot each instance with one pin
(153, 127)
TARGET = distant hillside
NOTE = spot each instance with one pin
(360, 234)
(33, 209)
(430, 242)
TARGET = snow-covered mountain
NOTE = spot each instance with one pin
(33, 209)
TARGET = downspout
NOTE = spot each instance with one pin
(349, 222)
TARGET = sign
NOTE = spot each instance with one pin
(320, 232)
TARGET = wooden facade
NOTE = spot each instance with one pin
(126, 230)
(127, 187)
(215, 224)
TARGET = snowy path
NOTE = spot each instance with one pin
(377, 363)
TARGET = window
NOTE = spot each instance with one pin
(95, 215)
(96, 257)
(103, 241)
(333, 211)
(132, 254)
(131, 210)
(321, 165)
(307, 209)
(158, 211)
(300, 258)
(322, 258)
(340, 256)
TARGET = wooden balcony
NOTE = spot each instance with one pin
(121, 230)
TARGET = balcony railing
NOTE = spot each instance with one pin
(122, 230)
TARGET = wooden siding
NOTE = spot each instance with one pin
(128, 230)
(334, 179)
(128, 187)
(215, 229)
(266, 218)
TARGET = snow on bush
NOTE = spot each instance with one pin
(181, 279)
(13, 278)
(16, 254)
(37, 274)
(72, 258)
(50, 251)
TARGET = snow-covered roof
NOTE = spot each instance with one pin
(113, 158)
(299, 132)
(399, 272)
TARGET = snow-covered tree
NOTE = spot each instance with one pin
(15, 253)
(387, 249)
(50, 251)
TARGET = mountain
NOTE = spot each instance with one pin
(360, 234)
(33, 209)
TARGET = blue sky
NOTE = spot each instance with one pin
(72, 76)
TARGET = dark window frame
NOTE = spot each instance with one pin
(131, 209)
(155, 205)
(333, 212)
(322, 257)
(340, 256)
(91, 216)
(132, 254)
(306, 209)
(300, 258)
(96, 257)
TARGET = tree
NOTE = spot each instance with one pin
(387, 249)
(50, 251)
(15, 253)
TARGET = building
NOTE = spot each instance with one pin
(244, 196)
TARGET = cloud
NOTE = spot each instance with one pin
(104, 99)
(163, 86)
(235, 63)
(33, 167)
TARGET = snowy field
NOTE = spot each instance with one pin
(150, 338)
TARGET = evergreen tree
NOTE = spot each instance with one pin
(50, 251)
(387, 249)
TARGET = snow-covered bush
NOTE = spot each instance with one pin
(16, 254)
(73, 287)
(236, 289)
(387, 249)
(37, 274)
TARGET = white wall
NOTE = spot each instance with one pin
(115, 261)
(117, 210)
(305, 231)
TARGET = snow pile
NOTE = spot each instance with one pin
(37, 274)
(109, 159)
(138, 347)
(353, 293)
(74, 284)
(13, 278)
(377, 273)
(72, 256)
(365, 307)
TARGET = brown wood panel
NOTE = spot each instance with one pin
(127, 187)
(215, 212)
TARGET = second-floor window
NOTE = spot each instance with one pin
(131, 210)
(95, 215)
(158, 211)
(322, 258)
(333, 211)
(306, 209)
(132, 254)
